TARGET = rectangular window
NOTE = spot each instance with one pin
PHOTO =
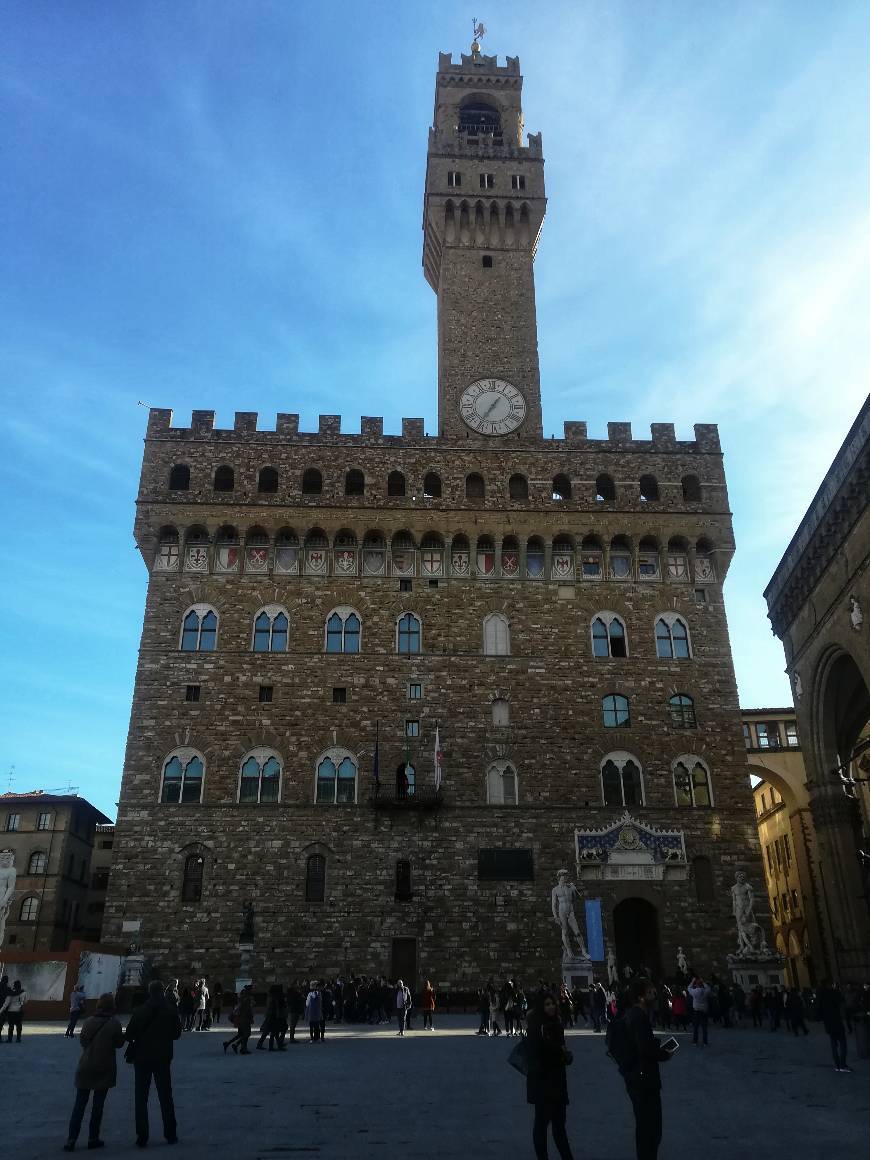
(433, 583)
(791, 735)
(403, 880)
(795, 901)
(505, 865)
(13, 822)
(785, 904)
(787, 847)
(767, 733)
(107, 844)
(415, 691)
(648, 565)
(763, 802)
(265, 695)
(487, 181)
(777, 846)
(518, 181)
(454, 179)
(747, 736)
(405, 585)
(412, 728)
(43, 822)
(191, 693)
(700, 595)
(339, 696)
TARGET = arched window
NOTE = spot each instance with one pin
(620, 558)
(496, 635)
(608, 636)
(691, 782)
(199, 629)
(191, 882)
(501, 784)
(682, 710)
(501, 713)
(605, 489)
(224, 478)
(315, 878)
(615, 711)
(260, 779)
(702, 871)
(431, 485)
(29, 910)
(396, 483)
(518, 487)
(691, 489)
(478, 118)
(561, 488)
(409, 634)
(267, 480)
(621, 780)
(336, 778)
(270, 629)
(343, 630)
(406, 781)
(183, 773)
(403, 880)
(38, 862)
(591, 558)
(672, 637)
(179, 477)
(648, 559)
(354, 482)
(535, 558)
(312, 481)
(649, 489)
(475, 488)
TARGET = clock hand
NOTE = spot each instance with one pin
(491, 407)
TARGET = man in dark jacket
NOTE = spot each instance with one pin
(831, 1008)
(151, 1032)
(642, 1079)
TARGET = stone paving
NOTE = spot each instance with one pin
(365, 1094)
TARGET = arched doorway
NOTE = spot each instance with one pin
(636, 932)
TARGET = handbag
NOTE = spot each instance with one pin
(519, 1056)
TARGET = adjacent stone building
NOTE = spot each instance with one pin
(326, 610)
(51, 839)
(818, 601)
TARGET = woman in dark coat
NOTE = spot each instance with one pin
(97, 1071)
(244, 1023)
(546, 1082)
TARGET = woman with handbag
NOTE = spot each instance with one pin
(97, 1070)
(243, 1017)
(546, 1080)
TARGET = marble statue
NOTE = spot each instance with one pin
(7, 888)
(750, 936)
(682, 961)
(798, 686)
(612, 973)
(562, 903)
(856, 616)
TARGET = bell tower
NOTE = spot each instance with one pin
(483, 210)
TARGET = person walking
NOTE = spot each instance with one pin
(403, 1002)
(97, 1070)
(151, 1033)
(794, 1005)
(641, 1073)
(76, 1009)
(203, 1000)
(186, 1008)
(13, 1010)
(483, 1012)
(274, 1023)
(700, 994)
(546, 1081)
(494, 1025)
(428, 1005)
(244, 1016)
(832, 1009)
(295, 1008)
(314, 1012)
(217, 999)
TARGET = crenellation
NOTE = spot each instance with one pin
(371, 426)
(619, 432)
(329, 425)
(663, 434)
(202, 422)
(413, 429)
(245, 422)
(287, 424)
(707, 437)
(159, 421)
(575, 432)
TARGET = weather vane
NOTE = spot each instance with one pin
(479, 33)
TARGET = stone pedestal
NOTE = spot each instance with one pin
(577, 971)
(133, 971)
(759, 970)
(244, 977)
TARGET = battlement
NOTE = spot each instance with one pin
(474, 66)
(576, 437)
(453, 143)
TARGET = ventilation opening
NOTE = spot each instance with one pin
(486, 261)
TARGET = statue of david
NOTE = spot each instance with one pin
(7, 888)
(562, 902)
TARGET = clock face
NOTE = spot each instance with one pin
(492, 407)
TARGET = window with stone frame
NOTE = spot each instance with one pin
(609, 636)
(682, 710)
(622, 780)
(267, 481)
(199, 628)
(615, 711)
(672, 637)
(496, 635)
(605, 488)
(271, 627)
(44, 821)
(183, 775)
(403, 880)
(692, 785)
(29, 910)
(475, 488)
(343, 630)
(691, 489)
(224, 478)
(649, 489)
(767, 734)
(406, 781)
(501, 784)
(501, 716)
(312, 481)
(260, 778)
(409, 635)
(518, 487)
(791, 735)
(431, 485)
(38, 862)
(336, 779)
(179, 477)
(561, 490)
(315, 878)
(192, 878)
(396, 484)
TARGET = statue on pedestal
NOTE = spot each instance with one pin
(612, 970)
(562, 903)
(750, 936)
(247, 932)
(7, 888)
(682, 962)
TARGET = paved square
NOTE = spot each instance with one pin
(365, 1094)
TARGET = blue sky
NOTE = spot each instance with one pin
(218, 205)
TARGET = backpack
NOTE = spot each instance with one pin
(620, 1045)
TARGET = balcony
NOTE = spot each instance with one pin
(390, 797)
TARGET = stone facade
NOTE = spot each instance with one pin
(818, 602)
(513, 555)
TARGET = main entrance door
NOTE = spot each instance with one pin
(636, 930)
(404, 961)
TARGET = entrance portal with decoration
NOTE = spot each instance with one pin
(636, 931)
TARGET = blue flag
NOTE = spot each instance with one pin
(594, 930)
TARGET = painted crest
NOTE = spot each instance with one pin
(287, 560)
(373, 561)
(345, 561)
(196, 559)
(167, 558)
(510, 563)
(227, 558)
(257, 560)
(459, 563)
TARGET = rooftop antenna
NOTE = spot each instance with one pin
(11, 779)
(478, 32)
